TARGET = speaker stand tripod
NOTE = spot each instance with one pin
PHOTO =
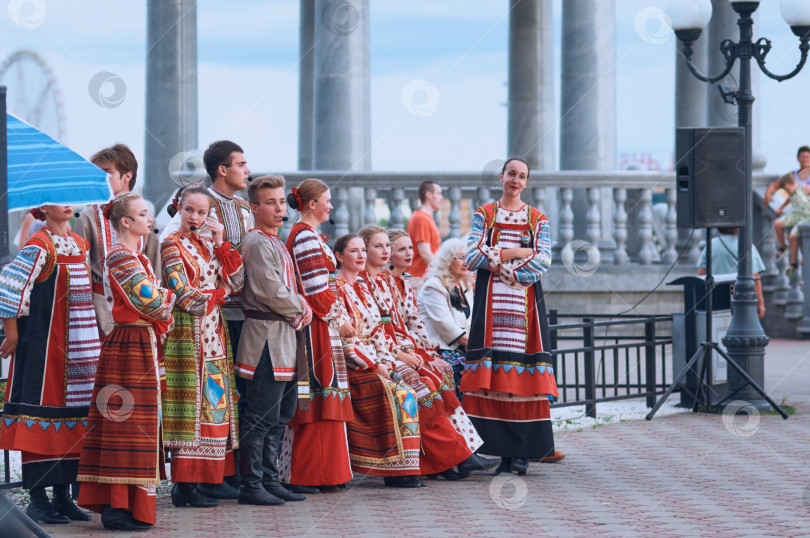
(703, 355)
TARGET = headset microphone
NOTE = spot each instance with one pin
(155, 231)
(331, 221)
(285, 218)
(193, 228)
(76, 214)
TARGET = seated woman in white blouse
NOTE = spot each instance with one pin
(445, 302)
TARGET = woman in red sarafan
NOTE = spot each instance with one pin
(121, 462)
(315, 451)
(384, 438)
(448, 437)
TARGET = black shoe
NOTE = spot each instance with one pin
(46, 513)
(450, 474)
(328, 489)
(475, 463)
(218, 491)
(41, 509)
(64, 504)
(118, 519)
(403, 482)
(504, 467)
(283, 493)
(186, 493)
(304, 490)
(258, 496)
(520, 466)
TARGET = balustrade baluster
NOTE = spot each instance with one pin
(620, 227)
(342, 212)
(370, 214)
(794, 305)
(454, 217)
(767, 250)
(566, 217)
(671, 230)
(593, 217)
(539, 194)
(395, 203)
(645, 216)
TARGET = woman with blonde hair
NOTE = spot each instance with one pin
(448, 437)
(384, 437)
(445, 302)
(121, 461)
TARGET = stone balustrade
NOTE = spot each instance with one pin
(620, 220)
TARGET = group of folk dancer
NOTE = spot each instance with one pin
(289, 366)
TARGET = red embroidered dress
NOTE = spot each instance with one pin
(315, 451)
(122, 458)
(384, 437)
(47, 287)
(443, 446)
(199, 414)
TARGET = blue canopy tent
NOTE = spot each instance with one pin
(36, 170)
(43, 171)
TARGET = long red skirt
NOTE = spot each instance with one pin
(315, 454)
(140, 500)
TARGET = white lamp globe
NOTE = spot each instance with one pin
(796, 12)
(689, 14)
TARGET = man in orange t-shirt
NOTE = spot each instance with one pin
(423, 231)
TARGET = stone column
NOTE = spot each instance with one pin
(530, 124)
(531, 83)
(171, 92)
(341, 102)
(306, 37)
(588, 94)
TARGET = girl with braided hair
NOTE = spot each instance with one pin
(121, 461)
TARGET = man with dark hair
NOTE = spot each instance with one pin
(122, 169)
(227, 167)
(802, 175)
(423, 230)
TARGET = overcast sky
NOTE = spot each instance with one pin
(248, 78)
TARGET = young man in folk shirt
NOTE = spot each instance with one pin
(271, 354)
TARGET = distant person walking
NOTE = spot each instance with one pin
(423, 230)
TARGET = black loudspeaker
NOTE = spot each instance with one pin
(710, 172)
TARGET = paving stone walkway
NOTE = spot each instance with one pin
(681, 475)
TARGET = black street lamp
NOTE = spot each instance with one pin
(745, 339)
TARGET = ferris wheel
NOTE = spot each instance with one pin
(33, 93)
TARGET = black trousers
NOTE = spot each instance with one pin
(268, 406)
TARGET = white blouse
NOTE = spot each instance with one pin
(443, 323)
